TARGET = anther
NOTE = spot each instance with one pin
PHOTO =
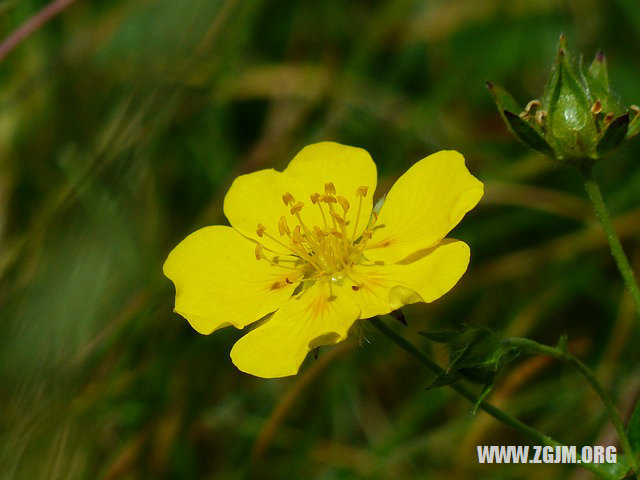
(329, 188)
(260, 230)
(337, 218)
(296, 208)
(540, 114)
(608, 118)
(287, 198)
(327, 199)
(335, 233)
(366, 234)
(314, 197)
(361, 191)
(596, 108)
(530, 106)
(297, 236)
(344, 203)
(283, 228)
(258, 251)
(319, 232)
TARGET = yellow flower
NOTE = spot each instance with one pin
(306, 254)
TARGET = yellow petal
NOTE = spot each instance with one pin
(424, 276)
(320, 315)
(219, 282)
(423, 206)
(257, 197)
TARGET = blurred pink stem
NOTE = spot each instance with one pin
(31, 25)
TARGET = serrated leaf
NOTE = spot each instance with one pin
(527, 134)
(614, 134)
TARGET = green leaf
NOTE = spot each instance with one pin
(441, 337)
(598, 70)
(614, 134)
(527, 134)
(503, 100)
(634, 126)
(443, 379)
(597, 80)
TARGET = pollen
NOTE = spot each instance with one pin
(328, 249)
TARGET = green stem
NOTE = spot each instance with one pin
(595, 195)
(525, 430)
(531, 346)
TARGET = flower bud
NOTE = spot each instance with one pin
(578, 118)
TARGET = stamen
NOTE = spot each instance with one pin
(297, 235)
(344, 203)
(530, 106)
(316, 200)
(319, 232)
(260, 230)
(361, 191)
(608, 118)
(287, 198)
(258, 252)
(329, 188)
(283, 228)
(296, 208)
(596, 108)
(315, 251)
(327, 199)
(337, 218)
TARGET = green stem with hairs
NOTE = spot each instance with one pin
(600, 208)
(515, 424)
(530, 346)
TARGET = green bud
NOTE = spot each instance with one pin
(578, 119)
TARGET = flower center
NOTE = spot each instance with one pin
(326, 250)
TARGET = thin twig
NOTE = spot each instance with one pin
(31, 25)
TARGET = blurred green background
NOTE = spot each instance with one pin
(122, 124)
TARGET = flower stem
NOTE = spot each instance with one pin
(531, 346)
(595, 195)
(515, 424)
